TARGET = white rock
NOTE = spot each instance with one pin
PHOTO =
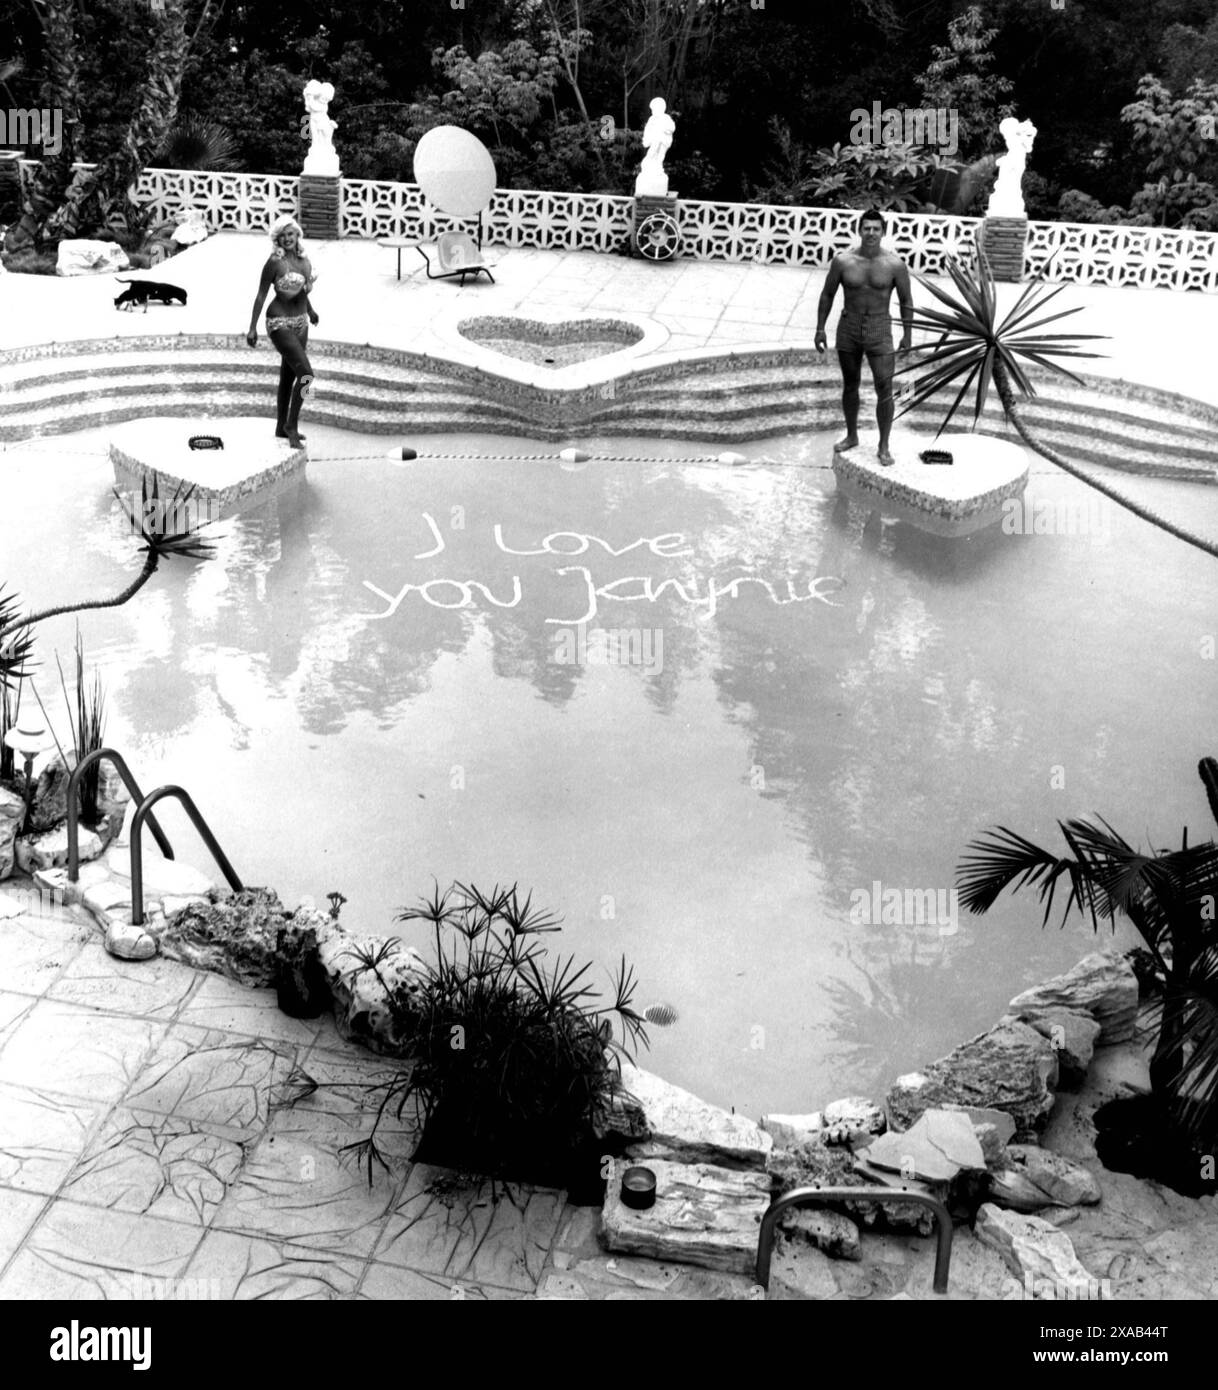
(363, 1011)
(855, 1113)
(107, 896)
(49, 850)
(1102, 984)
(1033, 1178)
(1034, 1249)
(685, 1129)
(939, 1144)
(130, 943)
(161, 876)
(786, 1130)
(10, 906)
(83, 257)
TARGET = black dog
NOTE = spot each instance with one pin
(141, 291)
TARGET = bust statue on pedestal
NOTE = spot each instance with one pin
(1007, 197)
(652, 181)
(322, 159)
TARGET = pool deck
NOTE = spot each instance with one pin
(145, 1129)
(1159, 338)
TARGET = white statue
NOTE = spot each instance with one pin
(1007, 197)
(322, 158)
(652, 181)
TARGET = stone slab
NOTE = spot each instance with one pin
(252, 466)
(1102, 984)
(688, 1130)
(703, 1215)
(1034, 1249)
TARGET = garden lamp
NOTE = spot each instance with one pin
(27, 742)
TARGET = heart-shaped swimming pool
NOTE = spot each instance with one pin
(551, 344)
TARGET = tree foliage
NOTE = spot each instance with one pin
(560, 89)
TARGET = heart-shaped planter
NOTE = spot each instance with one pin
(553, 345)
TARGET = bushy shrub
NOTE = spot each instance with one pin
(512, 1068)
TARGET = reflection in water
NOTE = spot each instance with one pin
(710, 817)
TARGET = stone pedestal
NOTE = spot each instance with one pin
(252, 467)
(950, 500)
(318, 199)
(651, 245)
(1003, 239)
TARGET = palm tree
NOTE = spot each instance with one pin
(94, 197)
(45, 189)
(60, 201)
(1169, 896)
(975, 346)
(157, 543)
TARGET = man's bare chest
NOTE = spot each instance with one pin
(860, 273)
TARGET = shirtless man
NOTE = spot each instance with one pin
(868, 275)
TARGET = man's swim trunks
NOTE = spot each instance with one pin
(864, 332)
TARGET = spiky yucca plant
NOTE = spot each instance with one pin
(1169, 896)
(156, 542)
(975, 349)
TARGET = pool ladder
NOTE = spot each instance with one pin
(143, 812)
(804, 1196)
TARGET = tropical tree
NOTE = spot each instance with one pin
(975, 349)
(958, 78)
(1169, 896)
(61, 201)
(158, 541)
(46, 189)
(103, 192)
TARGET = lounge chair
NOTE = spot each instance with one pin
(456, 254)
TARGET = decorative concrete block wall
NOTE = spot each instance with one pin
(1139, 257)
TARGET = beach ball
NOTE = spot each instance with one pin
(455, 171)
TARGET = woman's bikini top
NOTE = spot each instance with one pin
(292, 282)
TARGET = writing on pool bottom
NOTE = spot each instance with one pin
(77, 1343)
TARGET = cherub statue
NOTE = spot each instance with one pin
(652, 181)
(1007, 197)
(322, 158)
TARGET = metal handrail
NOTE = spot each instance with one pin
(133, 789)
(137, 864)
(803, 1195)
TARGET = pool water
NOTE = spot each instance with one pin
(723, 791)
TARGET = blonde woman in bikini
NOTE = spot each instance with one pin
(287, 323)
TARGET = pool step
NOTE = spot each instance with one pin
(722, 398)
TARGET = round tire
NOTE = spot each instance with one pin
(657, 237)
